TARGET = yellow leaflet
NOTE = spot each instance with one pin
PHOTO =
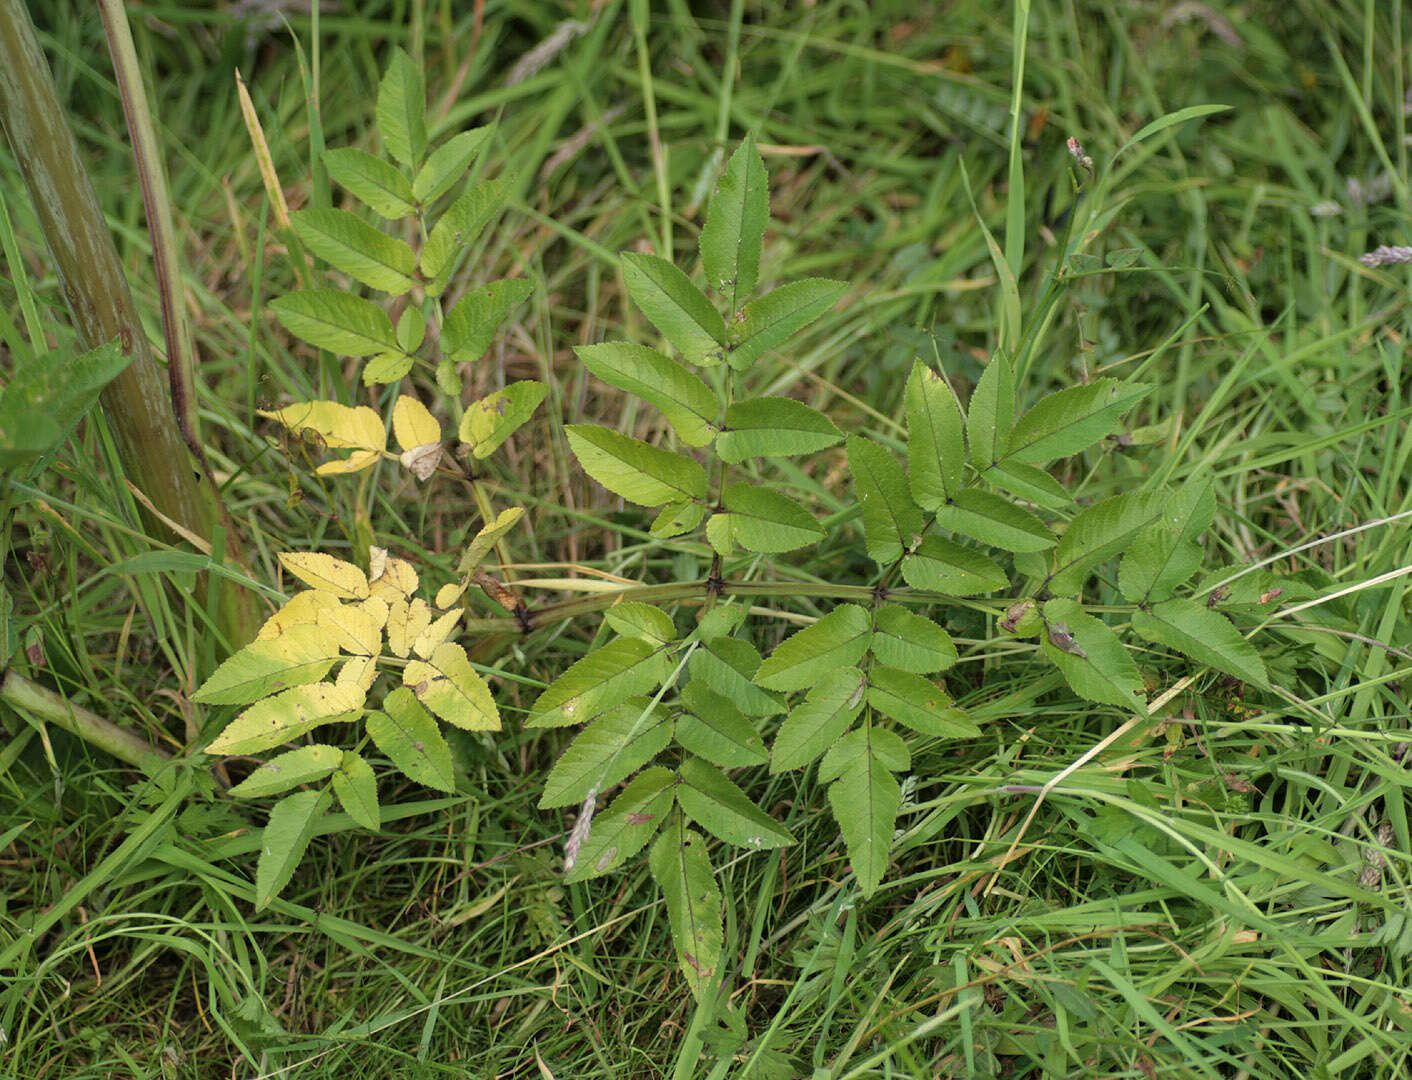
(354, 462)
(287, 715)
(359, 674)
(395, 579)
(302, 609)
(358, 631)
(430, 638)
(448, 595)
(327, 574)
(376, 608)
(340, 426)
(406, 619)
(377, 561)
(448, 686)
(486, 538)
(413, 425)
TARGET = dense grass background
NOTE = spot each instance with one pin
(1188, 904)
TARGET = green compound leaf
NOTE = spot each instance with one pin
(763, 520)
(1066, 422)
(912, 642)
(1098, 533)
(349, 244)
(472, 324)
(291, 825)
(608, 676)
(722, 809)
(939, 565)
(408, 735)
(1029, 483)
(679, 395)
(712, 727)
(624, 828)
(865, 799)
(334, 320)
(992, 414)
(1093, 661)
(936, 444)
(447, 164)
(816, 723)
(775, 317)
(458, 229)
(1206, 636)
(676, 307)
(289, 770)
(356, 787)
(613, 747)
(302, 654)
(683, 872)
(638, 472)
(837, 640)
(378, 185)
(774, 427)
(386, 368)
(1165, 554)
(728, 665)
(401, 110)
(735, 226)
(891, 519)
(486, 424)
(918, 703)
(995, 521)
(285, 716)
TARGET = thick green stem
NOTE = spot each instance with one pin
(29, 697)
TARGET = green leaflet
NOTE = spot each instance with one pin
(608, 676)
(1206, 636)
(401, 110)
(992, 414)
(1098, 533)
(760, 519)
(457, 230)
(283, 841)
(713, 728)
(632, 618)
(775, 317)
(377, 184)
(682, 870)
(679, 395)
(302, 654)
(677, 518)
(917, 703)
(819, 720)
(839, 639)
(408, 735)
(624, 828)
(609, 749)
(865, 798)
(45, 395)
(289, 770)
(890, 519)
(631, 468)
(446, 684)
(722, 809)
(1029, 483)
(1165, 553)
(676, 307)
(488, 536)
(735, 226)
(356, 787)
(411, 330)
(472, 324)
(912, 642)
(774, 427)
(349, 244)
(487, 423)
(940, 565)
(1094, 663)
(1066, 422)
(995, 521)
(447, 164)
(283, 717)
(936, 445)
(333, 320)
(727, 665)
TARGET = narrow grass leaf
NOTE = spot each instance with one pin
(334, 320)
(407, 734)
(1206, 636)
(722, 809)
(606, 752)
(676, 307)
(1092, 659)
(735, 226)
(837, 640)
(284, 839)
(936, 441)
(349, 244)
(289, 770)
(912, 642)
(377, 184)
(940, 565)
(817, 722)
(774, 427)
(775, 317)
(620, 832)
(688, 404)
(683, 872)
(891, 519)
(1068, 421)
(638, 472)
(996, 521)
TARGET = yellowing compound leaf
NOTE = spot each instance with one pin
(340, 427)
(359, 672)
(495, 417)
(448, 686)
(406, 619)
(430, 639)
(358, 630)
(327, 574)
(287, 715)
(391, 578)
(303, 654)
(301, 609)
